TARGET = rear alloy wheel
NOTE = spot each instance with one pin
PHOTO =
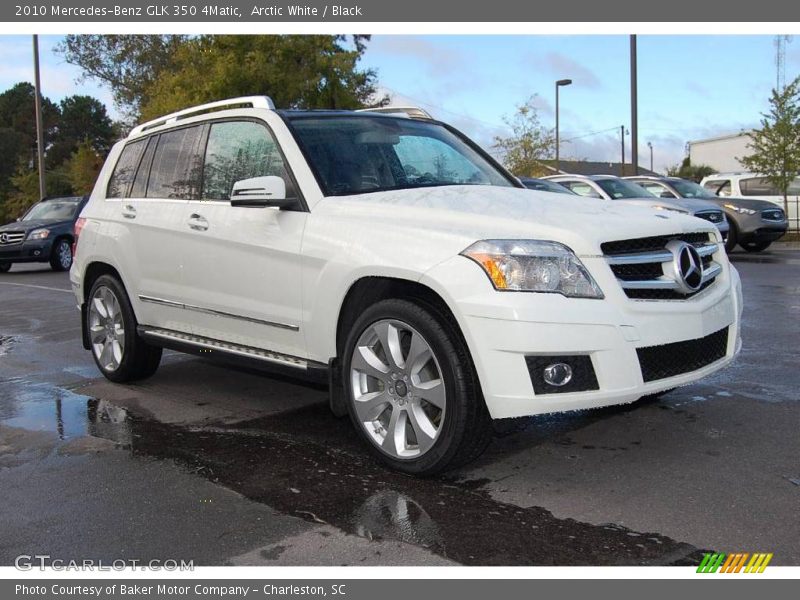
(755, 246)
(118, 351)
(61, 256)
(411, 390)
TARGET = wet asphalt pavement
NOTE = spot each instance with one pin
(227, 467)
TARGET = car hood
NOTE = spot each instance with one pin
(30, 225)
(469, 213)
(694, 204)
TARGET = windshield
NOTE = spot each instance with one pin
(618, 189)
(546, 186)
(355, 154)
(690, 189)
(52, 210)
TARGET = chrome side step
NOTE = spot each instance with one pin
(159, 336)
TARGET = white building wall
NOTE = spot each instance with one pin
(720, 153)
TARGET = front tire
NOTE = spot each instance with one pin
(732, 239)
(411, 390)
(61, 255)
(5, 267)
(119, 352)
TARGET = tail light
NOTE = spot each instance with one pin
(76, 232)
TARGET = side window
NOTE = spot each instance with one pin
(758, 186)
(124, 170)
(581, 188)
(176, 165)
(656, 189)
(139, 187)
(720, 187)
(239, 150)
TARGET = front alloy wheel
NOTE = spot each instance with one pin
(61, 258)
(398, 391)
(106, 328)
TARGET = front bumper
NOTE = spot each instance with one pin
(503, 328)
(27, 251)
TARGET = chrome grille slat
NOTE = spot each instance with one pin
(7, 238)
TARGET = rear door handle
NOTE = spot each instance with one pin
(197, 222)
(129, 211)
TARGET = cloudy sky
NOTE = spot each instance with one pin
(690, 87)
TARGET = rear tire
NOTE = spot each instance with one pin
(61, 255)
(411, 390)
(755, 246)
(119, 352)
(5, 267)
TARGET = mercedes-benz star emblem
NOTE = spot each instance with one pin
(687, 266)
(3, 238)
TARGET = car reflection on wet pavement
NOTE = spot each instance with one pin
(281, 481)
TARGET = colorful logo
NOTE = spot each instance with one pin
(737, 562)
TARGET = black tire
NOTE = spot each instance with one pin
(755, 246)
(466, 429)
(733, 238)
(139, 359)
(61, 255)
(5, 267)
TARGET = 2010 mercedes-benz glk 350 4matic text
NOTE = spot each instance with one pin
(391, 255)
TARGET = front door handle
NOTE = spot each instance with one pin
(129, 211)
(197, 222)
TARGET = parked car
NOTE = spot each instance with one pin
(543, 185)
(754, 224)
(394, 258)
(43, 234)
(610, 187)
(756, 187)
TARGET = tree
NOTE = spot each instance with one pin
(128, 64)
(529, 144)
(686, 170)
(83, 118)
(296, 71)
(26, 189)
(83, 167)
(776, 144)
(18, 112)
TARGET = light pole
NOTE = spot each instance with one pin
(559, 83)
(39, 129)
(650, 145)
(634, 109)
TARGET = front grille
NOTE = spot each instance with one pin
(651, 244)
(668, 360)
(8, 238)
(644, 266)
(715, 216)
(772, 214)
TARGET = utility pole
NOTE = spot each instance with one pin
(622, 150)
(39, 128)
(634, 110)
(650, 145)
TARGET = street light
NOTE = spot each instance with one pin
(559, 83)
(650, 145)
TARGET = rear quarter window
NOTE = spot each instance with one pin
(125, 169)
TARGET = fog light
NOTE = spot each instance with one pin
(557, 374)
(37, 252)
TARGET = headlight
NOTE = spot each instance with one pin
(38, 234)
(533, 266)
(740, 209)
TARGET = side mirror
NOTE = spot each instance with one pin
(261, 192)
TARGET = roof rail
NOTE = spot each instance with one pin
(413, 112)
(242, 102)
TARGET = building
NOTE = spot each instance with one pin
(721, 153)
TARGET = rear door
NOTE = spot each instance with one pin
(242, 269)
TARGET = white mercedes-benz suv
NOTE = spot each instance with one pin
(391, 256)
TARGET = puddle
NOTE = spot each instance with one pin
(43, 407)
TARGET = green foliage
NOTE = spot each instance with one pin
(82, 118)
(127, 64)
(25, 194)
(296, 71)
(776, 144)
(18, 112)
(686, 170)
(83, 167)
(530, 143)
